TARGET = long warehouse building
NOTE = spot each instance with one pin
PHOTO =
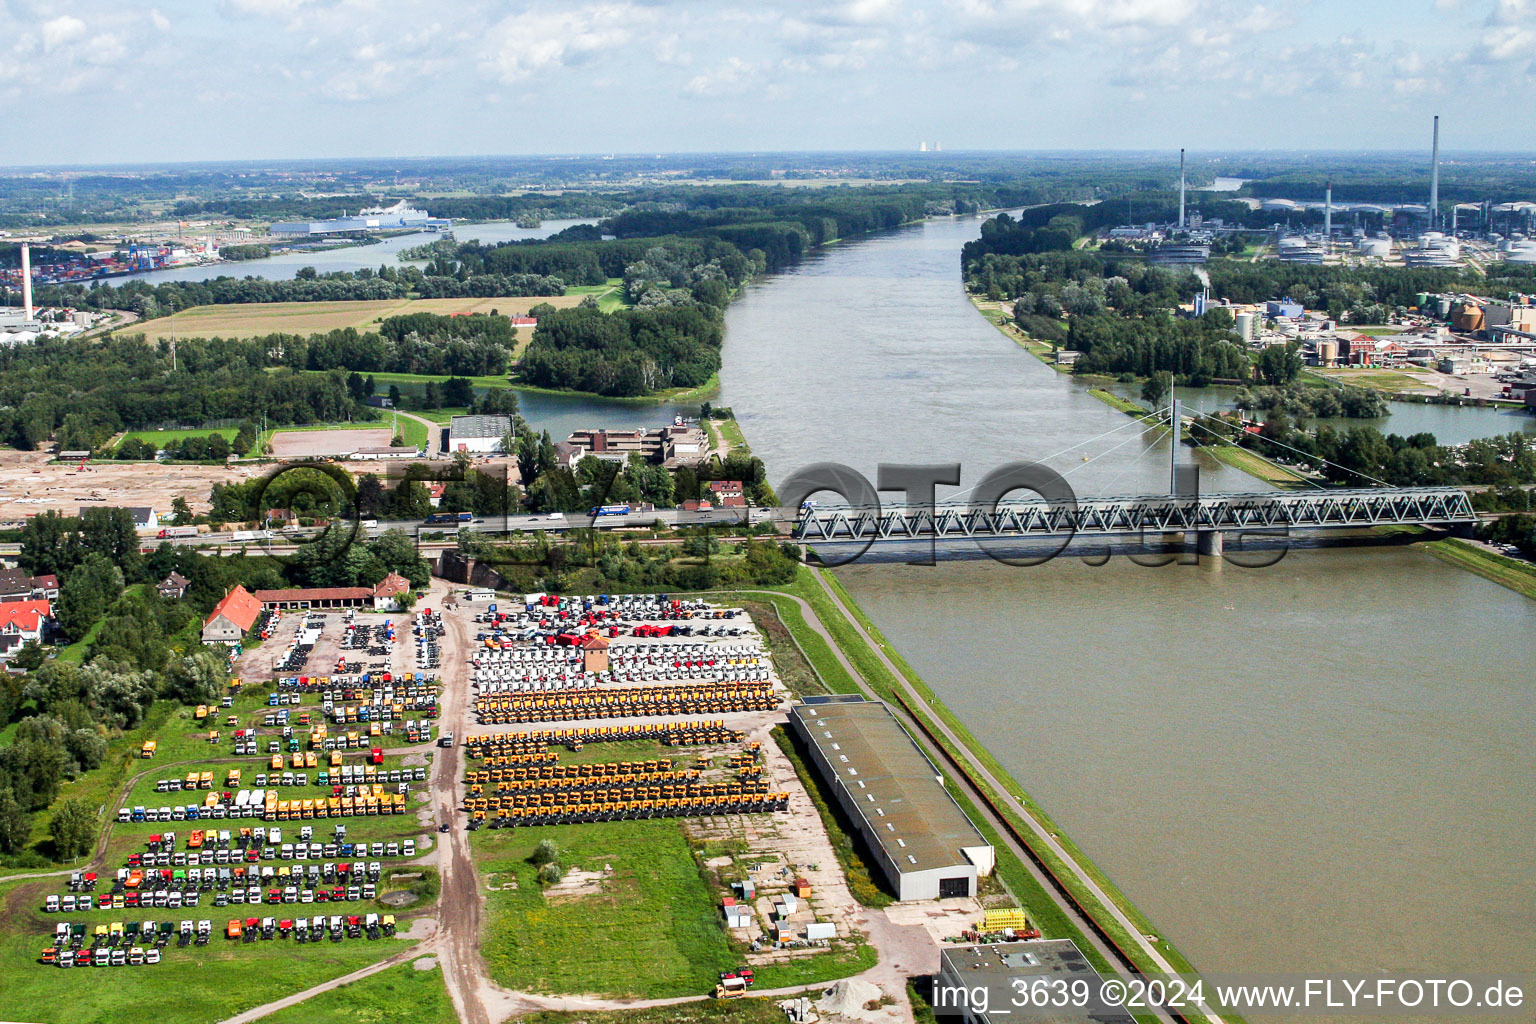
(925, 845)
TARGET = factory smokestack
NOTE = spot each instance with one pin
(26, 281)
(1328, 216)
(1434, 177)
(1181, 190)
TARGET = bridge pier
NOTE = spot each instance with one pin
(1210, 543)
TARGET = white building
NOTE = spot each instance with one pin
(919, 838)
(477, 434)
(389, 591)
(385, 454)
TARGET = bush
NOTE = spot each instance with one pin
(545, 853)
(551, 873)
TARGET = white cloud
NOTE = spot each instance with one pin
(538, 40)
(266, 8)
(159, 20)
(65, 28)
(731, 76)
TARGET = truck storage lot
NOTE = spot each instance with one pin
(648, 892)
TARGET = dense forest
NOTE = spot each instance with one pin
(82, 392)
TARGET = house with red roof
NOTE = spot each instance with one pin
(22, 621)
(232, 617)
(727, 494)
(388, 592)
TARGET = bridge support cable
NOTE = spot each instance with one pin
(1224, 440)
(1319, 458)
(1133, 422)
(1166, 430)
(1096, 458)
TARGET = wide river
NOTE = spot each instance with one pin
(1327, 764)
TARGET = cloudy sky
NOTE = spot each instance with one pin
(157, 80)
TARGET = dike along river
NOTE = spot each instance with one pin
(1323, 765)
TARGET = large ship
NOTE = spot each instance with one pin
(400, 216)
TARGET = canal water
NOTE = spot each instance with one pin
(1451, 424)
(1326, 764)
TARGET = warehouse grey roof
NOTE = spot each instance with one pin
(479, 426)
(898, 791)
(999, 966)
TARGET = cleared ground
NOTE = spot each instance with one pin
(29, 485)
(250, 319)
(293, 444)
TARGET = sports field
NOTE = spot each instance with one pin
(252, 319)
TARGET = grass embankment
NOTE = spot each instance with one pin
(610, 296)
(393, 994)
(1508, 572)
(998, 317)
(1256, 465)
(648, 928)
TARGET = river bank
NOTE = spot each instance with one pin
(1065, 894)
(1252, 754)
(865, 661)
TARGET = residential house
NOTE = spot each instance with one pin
(21, 622)
(232, 617)
(727, 494)
(388, 592)
(173, 587)
(16, 585)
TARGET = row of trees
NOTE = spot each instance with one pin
(83, 392)
(1322, 403)
(1361, 456)
(308, 285)
(193, 448)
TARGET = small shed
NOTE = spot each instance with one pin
(594, 654)
(802, 888)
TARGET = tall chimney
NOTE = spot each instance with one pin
(1181, 190)
(1328, 217)
(26, 281)
(1434, 178)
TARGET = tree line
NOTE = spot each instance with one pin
(388, 282)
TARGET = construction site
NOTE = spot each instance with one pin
(35, 482)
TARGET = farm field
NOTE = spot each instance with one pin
(252, 319)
